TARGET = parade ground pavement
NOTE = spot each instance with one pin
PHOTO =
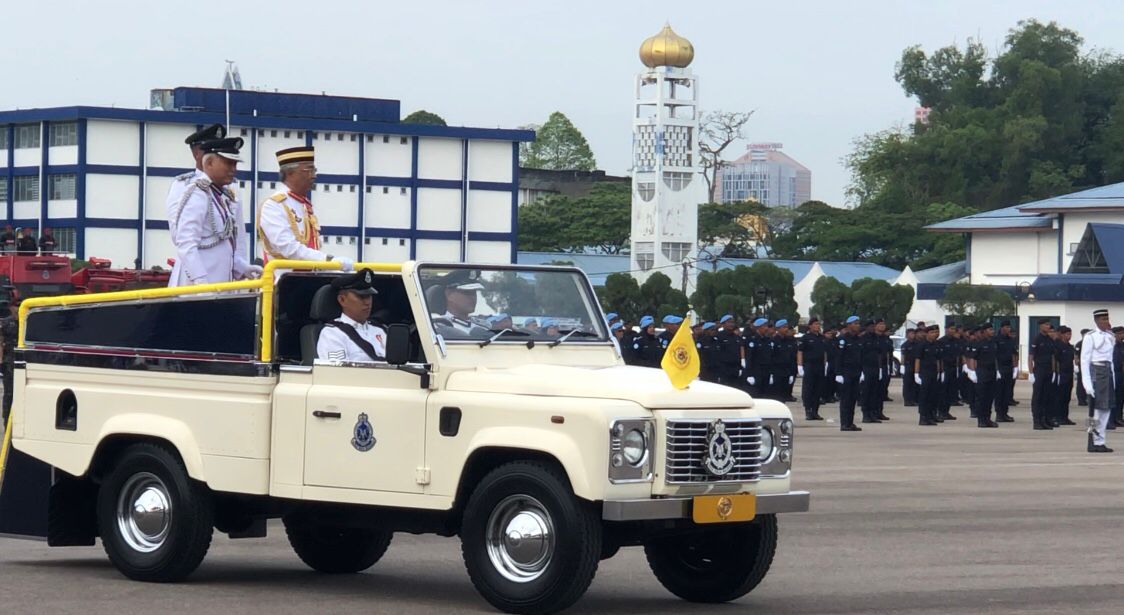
(904, 519)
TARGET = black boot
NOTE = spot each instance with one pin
(986, 422)
(1004, 418)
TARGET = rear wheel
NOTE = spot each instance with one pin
(529, 544)
(337, 550)
(715, 564)
(155, 522)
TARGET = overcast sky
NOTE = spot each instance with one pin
(818, 74)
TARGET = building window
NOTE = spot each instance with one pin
(272, 185)
(67, 239)
(273, 133)
(386, 138)
(3, 137)
(351, 240)
(26, 188)
(241, 184)
(63, 134)
(676, 251)
(243, 132)
(403, 140)
(386, 189)
(401, 191)
(401, 242)
(61, 186)
(353, 138)
(366, 241)
(3, 190)
(353, 188)
(339, 188)
(370, 138)
(384, 241)
(315, 136)
(368, 190)
(339, 240)
(287, 133)
(339, 136)
(300, 134)
(327, 187)
(261, 133)
(27, 136)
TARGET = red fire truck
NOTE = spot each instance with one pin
(51, 274)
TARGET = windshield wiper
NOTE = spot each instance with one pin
(569, 333)
(500, 334)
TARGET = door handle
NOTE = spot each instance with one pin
(324, 414)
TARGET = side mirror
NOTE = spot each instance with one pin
(398, 344)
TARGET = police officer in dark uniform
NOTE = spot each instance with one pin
(729, 353)
(950, 363)
(1041, 374)
(828, 390)
(784, 362)
(671, 324)
(627, 338)
(1007, 349)
(926, 374)
(9, 327)
(871, 385)
(1118, 375)
(706, 343)
(1067, 367)
(759, 351)
(849, 373)
(909, 384)
(886, 348)
(967, 348)
(811, 361)
(645, 347)
(983, 372)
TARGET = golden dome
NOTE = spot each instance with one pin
(667, 49)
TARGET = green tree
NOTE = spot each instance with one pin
(974, 305)
(736, 226)
(621, 294)
(659, 298)
(880, 299)
(831, 300)
(558, 146)
(599, 221)
(421, 116)
(759, 289)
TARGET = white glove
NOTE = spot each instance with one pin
(839, 379)
(879, 373)
(1089, 392)
(972, 376)
(940, 377)
(791, 379)
(752, 381)
(1031, 377)
(743, 363)
(252, 272)
(964, 368)
(770, 379)
(1057, 379)
(346, 263)
(825, 369)
(1076, 370)
(862, 377)
(800, 370)
(917, 378)
(1015, 373)
(903, 370)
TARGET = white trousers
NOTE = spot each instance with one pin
(1100, 426)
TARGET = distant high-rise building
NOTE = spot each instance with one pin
(764, 174)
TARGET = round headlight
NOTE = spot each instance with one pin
(767, 449)
(786, 427)
(634, 447)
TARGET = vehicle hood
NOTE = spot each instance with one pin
(646, 386)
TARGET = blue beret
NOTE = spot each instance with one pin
(709, 325)
(851, 319)
(611, 316)
(616, 325)
(760, 322)
(725, 318)
(782, 323)
(672, 319)
(548, 322)
(645, 321)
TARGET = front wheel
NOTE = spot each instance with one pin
(337, 550)
(714, 564)
(529, 544)
(155, 522)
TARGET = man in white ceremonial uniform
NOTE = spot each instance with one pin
(460, 290)
(287, 225)
(1098, 379)
(181, 182)
(350, 337)
(206, 222)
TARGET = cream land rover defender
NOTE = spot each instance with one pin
(168, 413)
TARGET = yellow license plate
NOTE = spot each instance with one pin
(724, 508)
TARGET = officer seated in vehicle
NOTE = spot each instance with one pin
(350, 337)
(452, 301)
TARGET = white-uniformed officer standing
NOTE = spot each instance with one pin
(194, 141)
(1097, 378)
(287, 225)
(337, 339)
(206, 222)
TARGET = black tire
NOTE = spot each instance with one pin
(558, 572)
(337, 550)
(156, 547)
(715, 564)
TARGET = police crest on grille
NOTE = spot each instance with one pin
(719, 459)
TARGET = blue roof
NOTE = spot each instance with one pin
(1110, 237)
(1102, 197)
(799, 269)
(1079, 287)
(1007, 218)
(596, 266)
(943, 274)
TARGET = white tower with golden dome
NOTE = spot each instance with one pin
(666, 187)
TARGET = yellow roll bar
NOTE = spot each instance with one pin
(266, 284)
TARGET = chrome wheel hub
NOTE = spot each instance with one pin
(520, 538)
(144, 512)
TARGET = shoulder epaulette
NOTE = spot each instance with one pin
(185, 176)
(279, 197)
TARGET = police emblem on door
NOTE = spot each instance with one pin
(719, 459)
(364, 436)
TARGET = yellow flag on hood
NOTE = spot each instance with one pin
(681, 360)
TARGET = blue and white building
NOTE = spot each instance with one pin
(386, 191)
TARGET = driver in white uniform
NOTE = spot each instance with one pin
(350, 337)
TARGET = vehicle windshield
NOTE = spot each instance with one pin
(508, 304)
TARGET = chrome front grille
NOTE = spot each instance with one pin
(687, 451)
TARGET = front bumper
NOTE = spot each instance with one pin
(680, 508)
